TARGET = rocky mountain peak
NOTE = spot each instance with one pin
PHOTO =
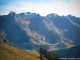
(33, 28)
(52, 15)
(12, 13)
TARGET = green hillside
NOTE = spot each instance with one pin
(11, 53)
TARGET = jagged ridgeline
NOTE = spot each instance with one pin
(32, 31)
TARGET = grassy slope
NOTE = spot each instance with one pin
(11, 53)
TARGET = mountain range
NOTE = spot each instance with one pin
(31, 30)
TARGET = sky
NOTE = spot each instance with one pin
(43, 7)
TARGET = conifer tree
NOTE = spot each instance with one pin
(41, 57)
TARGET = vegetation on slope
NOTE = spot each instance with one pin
(48, 55)
(11, 53)
(8, 52)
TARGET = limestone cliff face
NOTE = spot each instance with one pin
(31, 30)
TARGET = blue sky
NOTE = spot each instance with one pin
(43, 7)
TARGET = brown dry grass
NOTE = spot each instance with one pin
(11, 53)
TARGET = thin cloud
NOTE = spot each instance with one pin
(43, 2)
(43, 7)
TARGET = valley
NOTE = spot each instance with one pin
(32, 31)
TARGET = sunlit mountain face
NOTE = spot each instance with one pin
(32, 31)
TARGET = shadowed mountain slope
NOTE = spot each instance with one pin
(32, 31)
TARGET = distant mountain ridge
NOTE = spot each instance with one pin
(31, 30)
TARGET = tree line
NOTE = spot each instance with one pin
(48, 55)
